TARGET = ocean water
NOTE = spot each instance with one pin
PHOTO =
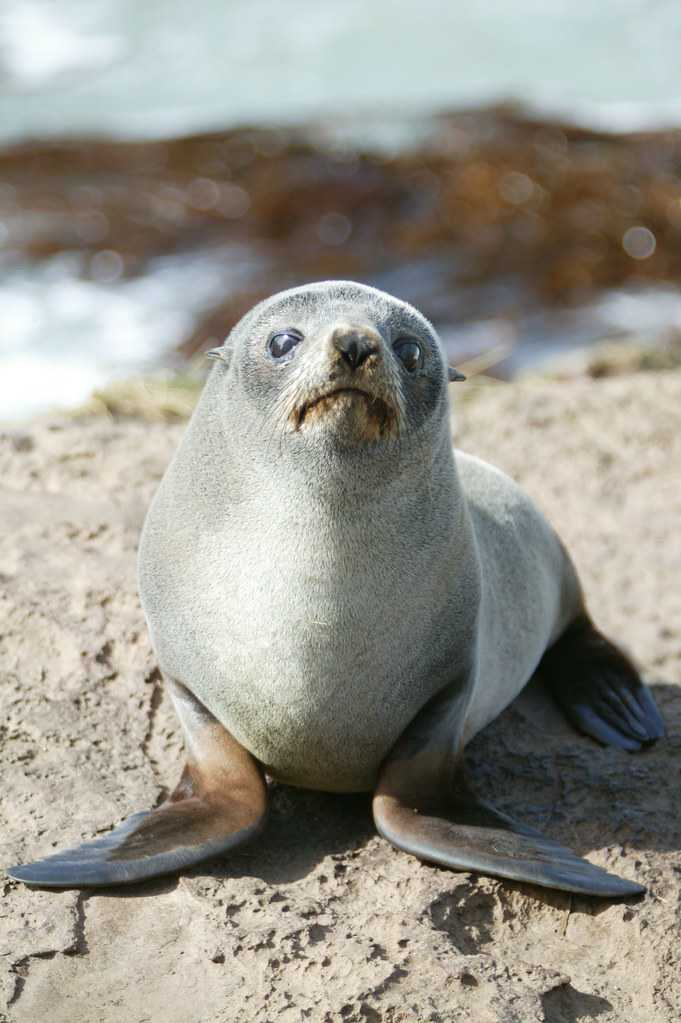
(164, 67)
(64, 336)
(168, 67)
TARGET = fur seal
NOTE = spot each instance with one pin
(338, 600)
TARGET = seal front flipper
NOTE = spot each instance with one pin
(219, 803)
(599, 689)
(423, 806)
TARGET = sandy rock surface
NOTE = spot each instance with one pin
(321, 920)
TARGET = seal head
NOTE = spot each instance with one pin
(337, 369)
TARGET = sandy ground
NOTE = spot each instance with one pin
(322, 920)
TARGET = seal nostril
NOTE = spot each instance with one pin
(351, 353)
(354, 350)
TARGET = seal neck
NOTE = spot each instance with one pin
(229, 462)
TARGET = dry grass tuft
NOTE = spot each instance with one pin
(160, 397)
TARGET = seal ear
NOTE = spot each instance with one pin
(220, 354)
(453, 375)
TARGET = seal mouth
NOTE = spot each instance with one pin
(376, 409)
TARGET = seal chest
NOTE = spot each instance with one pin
(310, 649)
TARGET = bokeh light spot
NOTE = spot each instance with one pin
(639, 242)
(333, 229)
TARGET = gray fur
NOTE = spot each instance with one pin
(314, 594)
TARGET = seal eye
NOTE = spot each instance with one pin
(409, 354)
(281, 345)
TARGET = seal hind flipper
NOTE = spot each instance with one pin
(599, 689)
(423, 806)
(219, 804)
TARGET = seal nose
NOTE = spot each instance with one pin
(354, 347)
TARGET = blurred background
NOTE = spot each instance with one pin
(512, 167)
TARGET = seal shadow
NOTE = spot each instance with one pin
(532, 764)
(303, 828)
(528, 762)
